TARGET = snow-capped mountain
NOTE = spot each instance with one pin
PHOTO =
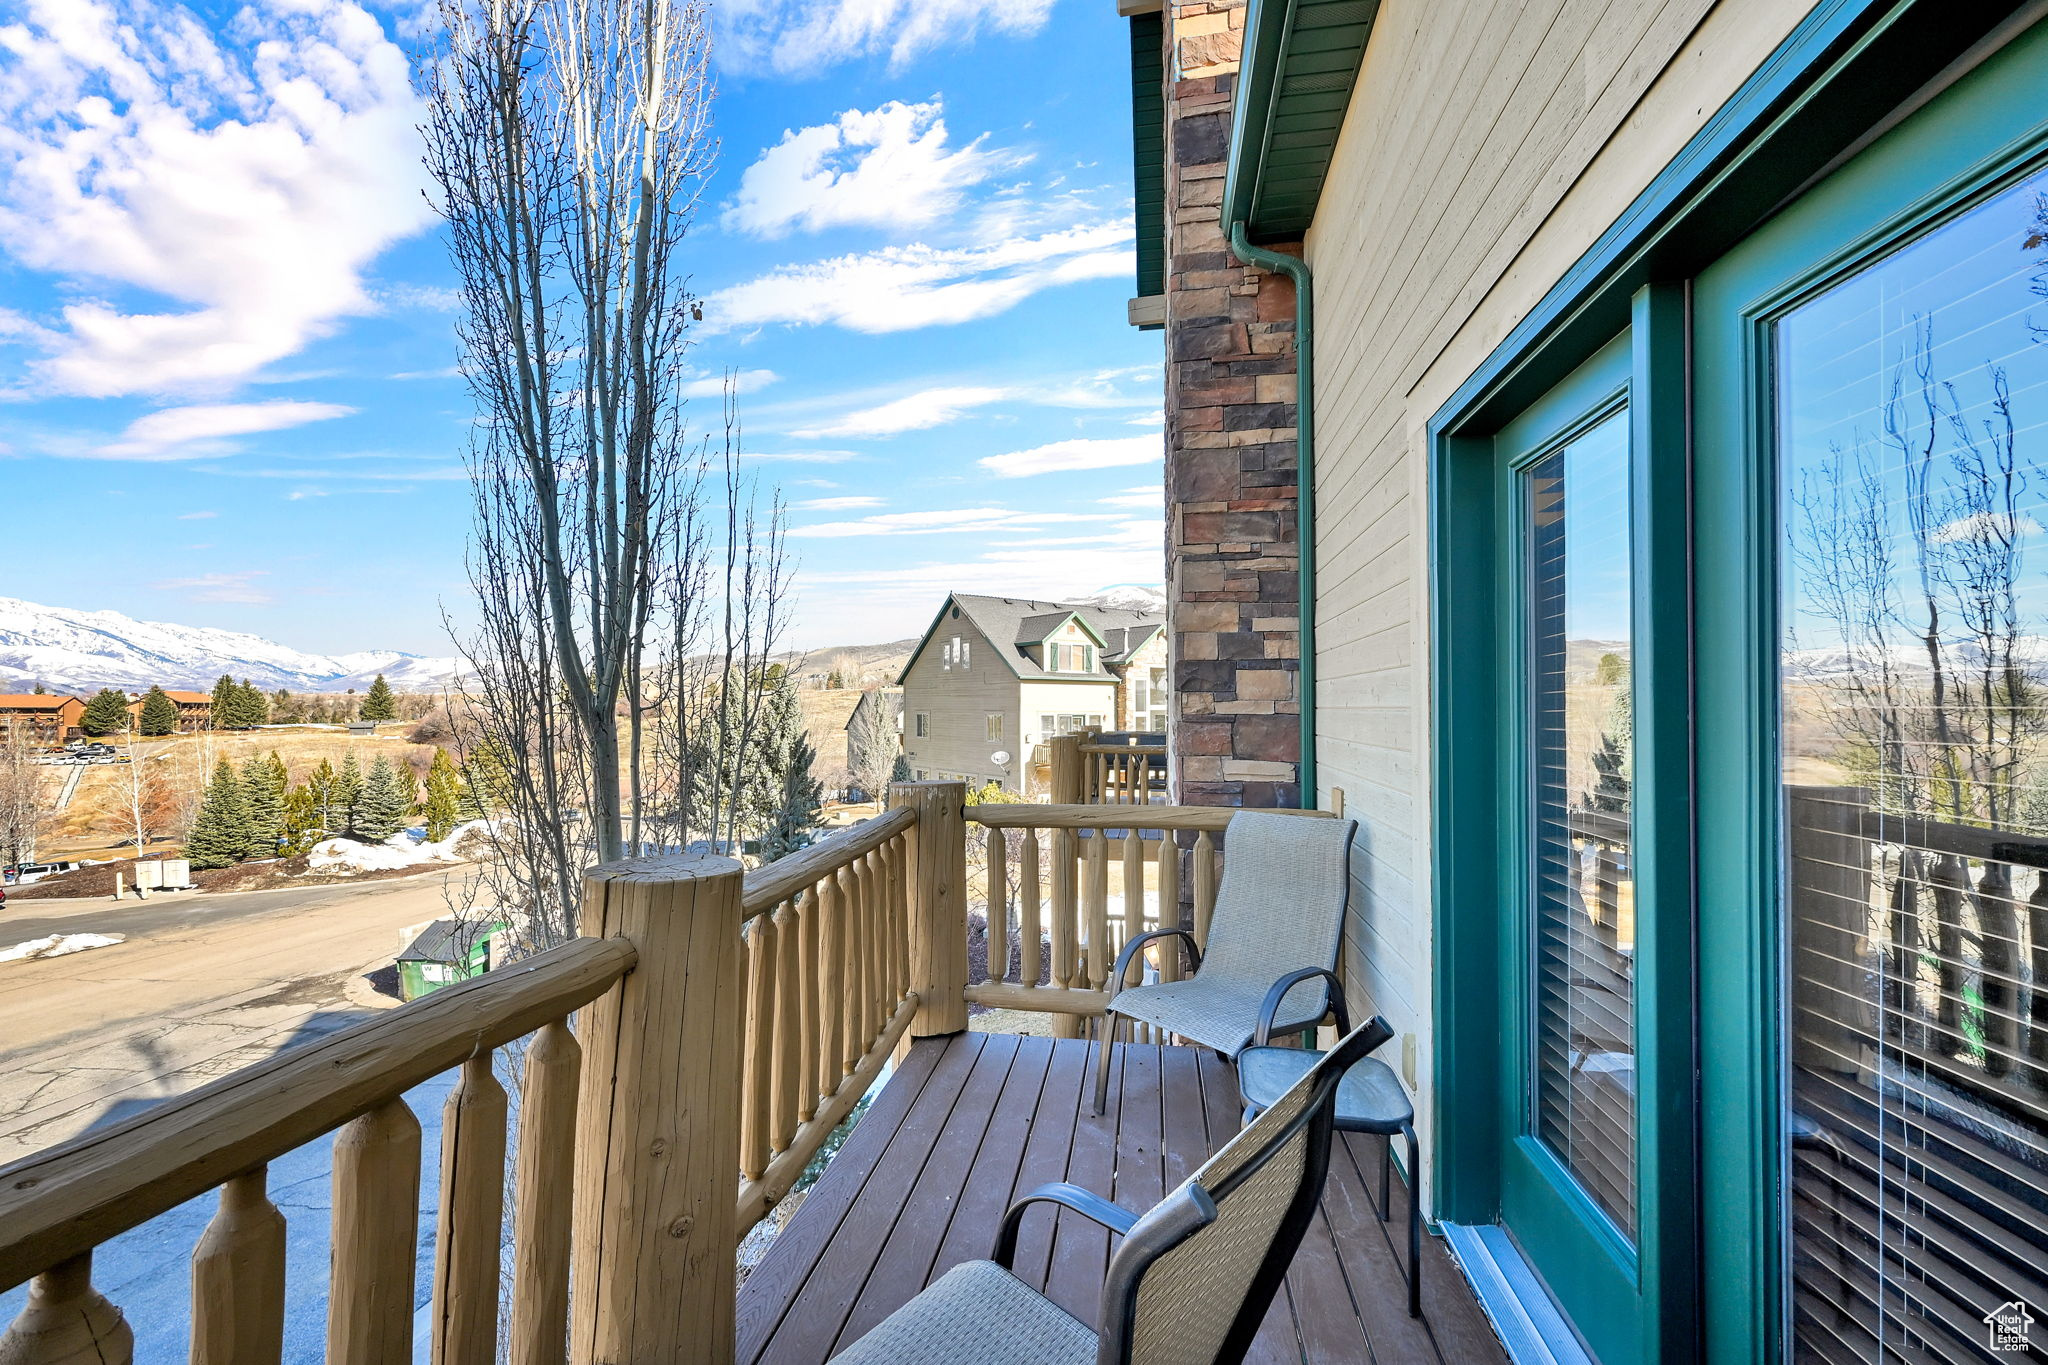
(1129, 597)
(72, 650)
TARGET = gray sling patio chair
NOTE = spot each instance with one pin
(1280, 909)
(1192, 1279)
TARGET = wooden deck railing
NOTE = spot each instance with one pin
(57, 1206)
(1058, 897)
(1091, 769)
(827, 995)
(714, 1017)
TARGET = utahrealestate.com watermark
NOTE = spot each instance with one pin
(2009, 1324)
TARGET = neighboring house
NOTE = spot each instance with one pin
(445, 952)
(1675, 365)
(885, 701)
(40, 718)
(995, 677)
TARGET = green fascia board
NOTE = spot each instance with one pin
(1300, 62)
(1148, 149)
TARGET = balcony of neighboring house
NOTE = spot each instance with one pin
(681, 1064)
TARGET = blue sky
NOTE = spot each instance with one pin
(227, 393)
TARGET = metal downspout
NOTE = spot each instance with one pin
(1296, 269)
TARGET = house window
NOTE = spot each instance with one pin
(1087, 658)
(923, 724)
(995, 727)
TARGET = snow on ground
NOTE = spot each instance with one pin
(57, 945)
(408, 848)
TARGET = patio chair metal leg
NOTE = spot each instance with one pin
(1386, 1174)
(1105, 1035)
(1414, 1223)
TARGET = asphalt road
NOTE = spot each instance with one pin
(202, 985)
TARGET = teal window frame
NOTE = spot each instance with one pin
(1848, 71)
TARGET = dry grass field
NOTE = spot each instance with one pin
(93, 823)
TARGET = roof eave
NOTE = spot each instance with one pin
(1273, 38)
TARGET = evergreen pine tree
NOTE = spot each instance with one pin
(900, 770)
(783, 796)
(387, 801)
(105, 714)
(486, 783)
(377, 703)
(252, 707)
(443, 806)
(224, 703)
(320, 788)
(301, 825)
(220, 832)
(40, 690)
(159, 714)
(347, 796)
(263, 800)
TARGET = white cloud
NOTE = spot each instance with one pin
(797, 37)
(892, 596)
(220, 587)
(743, 381)
(916, 412)
(197, 516)
(197, 430)
(1062, 456)
(1148, 419)
(944, 404)
(1145, 495)
(801, 456)
(1987, 527)
(887, 168)
(847, 504)
(211, 205)
(900, 288)
(948, 521)
(301, 494)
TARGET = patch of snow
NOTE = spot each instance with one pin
(402, 850)
(57, 945)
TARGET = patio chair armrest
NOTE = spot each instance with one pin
(1072, 1197)
(1271, 1008)
(1137, 945)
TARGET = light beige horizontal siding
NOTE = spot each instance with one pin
(1487, 147)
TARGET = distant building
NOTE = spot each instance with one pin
(995, 677)
(887, 700)
(40, 718)
(195, 709)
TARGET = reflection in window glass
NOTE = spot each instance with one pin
(1913, 471)
(1581, 731)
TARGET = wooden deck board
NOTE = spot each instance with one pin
(969, 1122)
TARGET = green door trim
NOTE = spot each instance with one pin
(1846, 69)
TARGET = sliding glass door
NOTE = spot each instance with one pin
(1873, 454)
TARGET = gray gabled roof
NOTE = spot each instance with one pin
(1010, 623)
(448, 940)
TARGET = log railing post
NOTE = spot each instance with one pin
(1069, 775)
(67, 1322)
(658, 1123)
(938, 904)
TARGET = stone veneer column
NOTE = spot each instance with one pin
(1230, 454)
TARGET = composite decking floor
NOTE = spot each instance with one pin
(970, 1121)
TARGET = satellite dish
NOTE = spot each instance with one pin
(1000, 757)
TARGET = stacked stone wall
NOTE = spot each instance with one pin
(1230, 454)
